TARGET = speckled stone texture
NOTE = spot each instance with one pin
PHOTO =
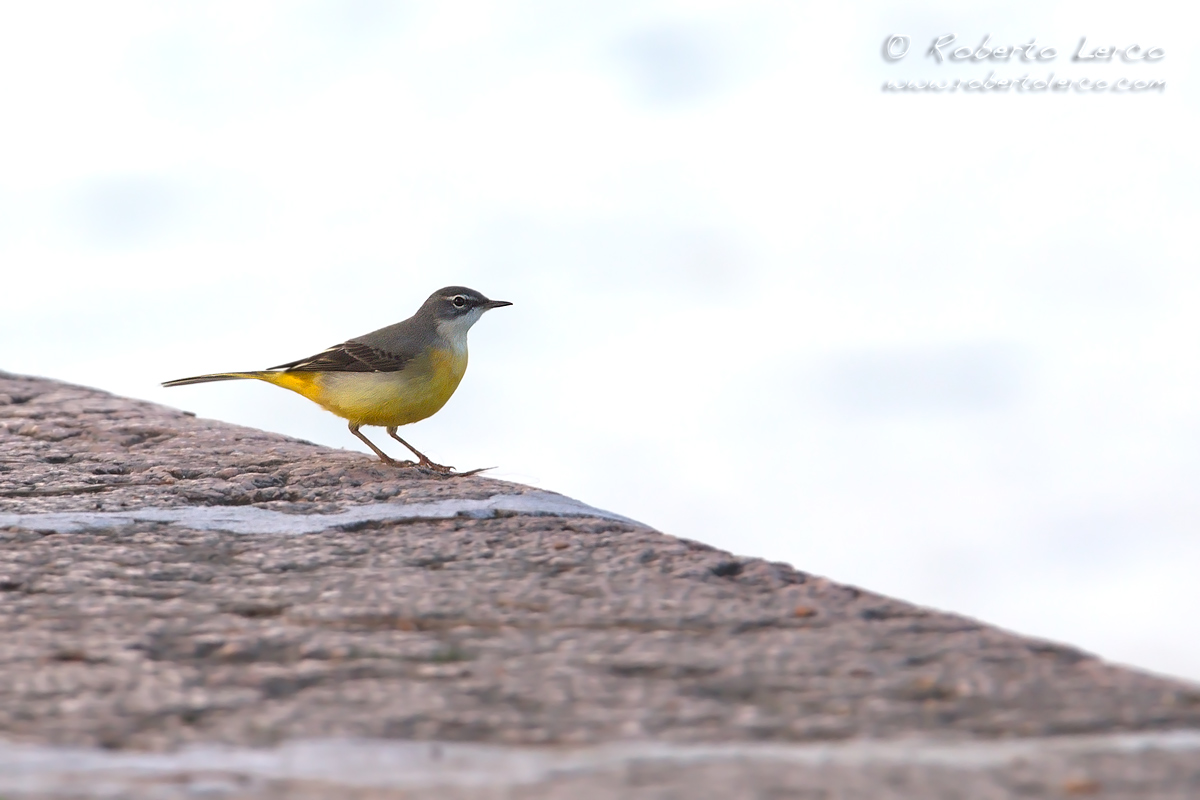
(515, 629)
(70, 448)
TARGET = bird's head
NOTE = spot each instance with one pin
(457, 308)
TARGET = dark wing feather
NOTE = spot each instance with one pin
(349, 356)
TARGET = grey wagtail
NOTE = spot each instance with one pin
(390, 377)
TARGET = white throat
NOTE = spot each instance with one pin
(455, 330)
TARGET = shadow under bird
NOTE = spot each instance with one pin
(390, 377)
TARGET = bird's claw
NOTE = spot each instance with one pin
(405, 464)
(450, 472)
(432, 468)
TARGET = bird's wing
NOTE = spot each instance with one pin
(351, 356)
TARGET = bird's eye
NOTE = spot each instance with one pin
(459, 301)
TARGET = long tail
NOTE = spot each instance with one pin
(220, 376)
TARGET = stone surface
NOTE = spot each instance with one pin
(69, 448)
(1133, 766)
(555, 628)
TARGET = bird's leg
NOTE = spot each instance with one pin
(384, 457)
(424, 462)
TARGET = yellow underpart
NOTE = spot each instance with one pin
(388, 399)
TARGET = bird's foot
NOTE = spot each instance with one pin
(430, 467)
(425, 465)
(391, 462)
(472, 472)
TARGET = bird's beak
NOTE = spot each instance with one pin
(490, 304)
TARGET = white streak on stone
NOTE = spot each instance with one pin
(250, 519)
(388, 764)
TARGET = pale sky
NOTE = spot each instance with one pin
(940, 345)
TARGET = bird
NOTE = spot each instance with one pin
(390, 377)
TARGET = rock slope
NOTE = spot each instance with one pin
(170, 581)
